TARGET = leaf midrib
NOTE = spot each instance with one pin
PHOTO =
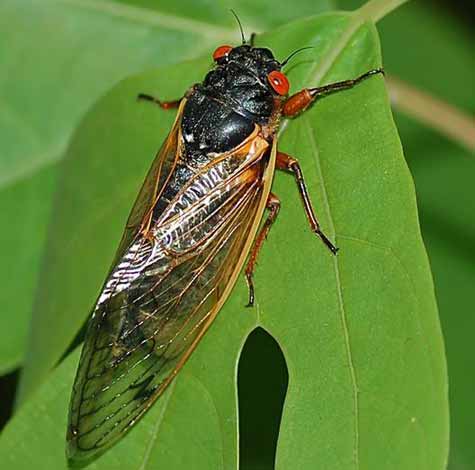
(339, 289)
(320, 69)
(152, 17)
(156, 427)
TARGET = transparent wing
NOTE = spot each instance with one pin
(161, 297)
(154, 183)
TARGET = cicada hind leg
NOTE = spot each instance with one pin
(293, 106)
(273, 205)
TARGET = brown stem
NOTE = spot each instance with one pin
(433, 112)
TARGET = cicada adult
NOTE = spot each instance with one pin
(196, 221)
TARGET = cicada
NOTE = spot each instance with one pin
(196, 222)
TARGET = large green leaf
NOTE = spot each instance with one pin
(360, 333)
(57, 57)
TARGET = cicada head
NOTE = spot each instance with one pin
(249, 76)
(253, 65)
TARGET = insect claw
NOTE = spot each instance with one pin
(332, 248)
(250, 303)
(369, 74)
(250, 285)
(143, 96)
(327, 242)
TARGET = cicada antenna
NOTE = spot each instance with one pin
(240, 26)
(294, 53)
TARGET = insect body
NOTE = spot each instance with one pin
(194, 223)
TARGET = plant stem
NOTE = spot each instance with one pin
(433, 112)
(427, 109)
(375, 10)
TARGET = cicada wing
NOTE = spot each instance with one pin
(143, 332)
(156, 179)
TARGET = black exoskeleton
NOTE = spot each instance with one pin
(222, 110)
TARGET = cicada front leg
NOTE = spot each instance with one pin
(293, 106)
(173, 104)
(301, 100)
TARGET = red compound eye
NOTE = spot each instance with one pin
(279, 82)
(221, 51)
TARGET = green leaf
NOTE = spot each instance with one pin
(58, 57)
(360, 332)
(370, 337)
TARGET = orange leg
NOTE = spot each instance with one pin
(288, 163)
(273, 204)
(301, 100)
(163, 104)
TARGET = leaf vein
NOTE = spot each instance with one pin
(156, 428)
(152, 17)
(319, 70)
(341, 303)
